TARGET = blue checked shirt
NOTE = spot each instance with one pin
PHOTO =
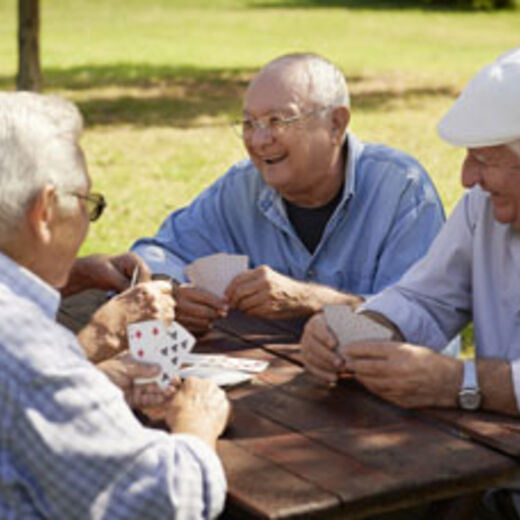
(70, 447)
(387, 217)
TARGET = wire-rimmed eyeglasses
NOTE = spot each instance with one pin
(95, 203)
(275, 124)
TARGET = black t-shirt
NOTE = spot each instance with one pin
(309, 223)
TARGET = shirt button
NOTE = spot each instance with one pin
(311, 274)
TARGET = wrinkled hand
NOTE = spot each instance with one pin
(201, 408)
(197, 308)
(122, 370)
(407, 375)
(267, 293)
(105, 334)
(319, 346)
(105, 272)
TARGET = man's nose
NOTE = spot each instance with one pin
(261, 135)
(471, 174)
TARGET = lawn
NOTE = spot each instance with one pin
(158, 82)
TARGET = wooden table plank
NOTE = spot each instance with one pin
(260, 489)
(393, 458)
(497, 431)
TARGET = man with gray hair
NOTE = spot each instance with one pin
(323, 217)
(70, 447)
(471, 272)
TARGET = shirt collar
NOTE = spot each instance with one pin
(269, 196)
(26, 284)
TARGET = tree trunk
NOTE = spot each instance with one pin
(29, 75)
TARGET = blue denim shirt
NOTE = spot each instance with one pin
(388, 216)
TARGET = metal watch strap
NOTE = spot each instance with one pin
(470, 375)
(469, 397)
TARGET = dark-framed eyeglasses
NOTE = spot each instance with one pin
(95, 203)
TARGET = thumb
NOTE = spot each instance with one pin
(135, 369)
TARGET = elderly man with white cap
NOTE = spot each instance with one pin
(471, 272)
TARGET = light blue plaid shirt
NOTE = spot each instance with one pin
(69, 445)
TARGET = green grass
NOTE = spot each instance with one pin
(158, 81)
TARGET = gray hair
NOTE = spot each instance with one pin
(38, 145)
(327, 86)
(515, 147)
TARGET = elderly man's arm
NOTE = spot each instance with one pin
(407, 375)
(107, 272)
(267, 293)
(414, 377)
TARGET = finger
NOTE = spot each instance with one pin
(368, 367)
(244, 277)
(194, 325)
(201, 297)
(317, 328)
(135, 370)
(246, 289)
(250, 302)
(331, 365)
(384, 388)
(197, 310)
(368, 349)
(323, 375)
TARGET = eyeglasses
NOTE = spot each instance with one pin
(95, 203)
(274, 124)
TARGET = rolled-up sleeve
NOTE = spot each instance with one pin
(432, 302)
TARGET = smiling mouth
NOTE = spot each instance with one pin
(274, 160)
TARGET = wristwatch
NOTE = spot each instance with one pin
(469, 397)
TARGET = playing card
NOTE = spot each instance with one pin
(150, 342)
(349, 326)
(181, 337)
(145, 338)
(215, 272)
(226, 362)
(219, 376)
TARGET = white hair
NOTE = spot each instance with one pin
(38, 145)
(327, 86)
(514, 146)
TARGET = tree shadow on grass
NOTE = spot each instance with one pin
(187, 96)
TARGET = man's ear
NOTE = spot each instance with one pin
(42, 213)
(340, 121)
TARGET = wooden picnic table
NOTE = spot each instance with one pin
(298, 448)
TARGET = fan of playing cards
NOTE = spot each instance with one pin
(349, 326)
(170, 348)
(215, 272)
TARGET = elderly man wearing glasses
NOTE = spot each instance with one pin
(70, 446)
(323, 217)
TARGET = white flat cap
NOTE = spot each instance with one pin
(487, 113)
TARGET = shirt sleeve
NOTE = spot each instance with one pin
(515, 373)
(432, 302)
(84, 455)
(200, 229)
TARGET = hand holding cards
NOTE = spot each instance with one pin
(215, 272)
(150, 342)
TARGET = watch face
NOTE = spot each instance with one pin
(469, 399)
